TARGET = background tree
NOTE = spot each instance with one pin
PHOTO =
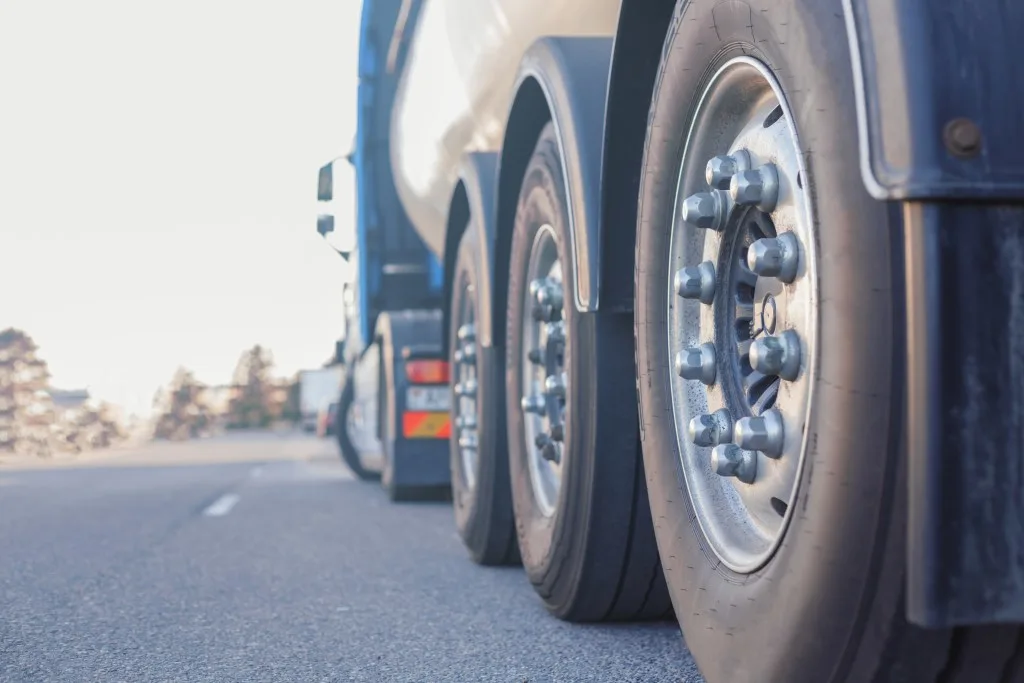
(94, 426)
(26, 411)
(292, 408)
(253, 405)
(181, 408)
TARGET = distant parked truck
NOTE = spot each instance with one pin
(317, 388)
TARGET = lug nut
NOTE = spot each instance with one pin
(555, 331)
(776, 257)
(549, 294)
(541, 313)
(465, 422)
(696, 282)
(697, 363)
(533, 404)
(468, 440)
(467, 332)
(457, 356)
(758, 187)
(536, 356)
(778, 355)
(722, 168)
(764, 433)
(711, 430)
(706, 210)
(554, 385)
(729, 460)
(535, 287)
(467, 388)
(469, 353)
(549, 449)
(557, 432)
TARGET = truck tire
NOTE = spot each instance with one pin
(782, 533)
(346, 448)
(481, 493)
(582, 518)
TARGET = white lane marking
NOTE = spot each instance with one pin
(256, 471)
(222, 505)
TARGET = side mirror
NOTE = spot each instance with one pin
(325, 184)
(325, 224)
(325, 197)
(339, 351)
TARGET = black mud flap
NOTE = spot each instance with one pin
(965, 311)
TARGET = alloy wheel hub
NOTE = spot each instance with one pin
(543, 370)
(742, 313)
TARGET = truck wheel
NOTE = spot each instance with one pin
(348, 451)
(770, 363)
(582, 518)
(481, 492)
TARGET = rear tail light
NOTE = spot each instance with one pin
(427, 371)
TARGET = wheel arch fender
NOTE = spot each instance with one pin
(565, 81)
(472, 207)
(636, 54)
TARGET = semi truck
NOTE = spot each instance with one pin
(726, 297)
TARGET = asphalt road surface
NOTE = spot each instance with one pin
(260, 558)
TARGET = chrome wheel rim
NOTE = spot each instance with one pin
(464, 364)
(542, 363)
(743, 313)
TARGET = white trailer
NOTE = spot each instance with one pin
(317, 389)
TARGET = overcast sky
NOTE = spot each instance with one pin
(157, 175)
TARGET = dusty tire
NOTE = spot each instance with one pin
(827, 604)
(481, 493)
(589, 551)
(347, 450)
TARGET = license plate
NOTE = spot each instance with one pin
(428, 398)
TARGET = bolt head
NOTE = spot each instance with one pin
(466, 332)
(719, 170)
(469, 353)
(767, 355)
(551, 452)
(746, 187)
(697, 363)
(557, 432)
(536, 286)
(554, 385)
(703, 210)
(758, 187)
(533, 404)
(696, 282)
(729, 460)
(468, 440)
(763, 433)
(703, 430)
(555, 331)
(778, 355)
(457, 356)
(777, 257)
(549, 295)
(467, 388)
(765, 257)
(536, 356)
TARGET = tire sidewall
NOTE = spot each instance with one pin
(542, 539)
(757, 627)
(474, 507)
